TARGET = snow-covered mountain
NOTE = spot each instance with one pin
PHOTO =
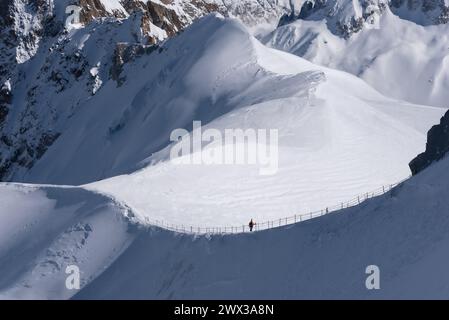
(86, 115)
(334, 143)
(227, 79)
(47, 72)
(404, 233)
(395, 49)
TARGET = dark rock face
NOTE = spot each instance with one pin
(124, 53)
(342, 17)
(436, 148)
(434, 11)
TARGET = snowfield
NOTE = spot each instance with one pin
(109, 175)
(403, 232)
(400, 58)
(44, 229)
(338, 138)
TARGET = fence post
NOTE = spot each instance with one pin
(280, 221)
(295, 218)
(358, 199)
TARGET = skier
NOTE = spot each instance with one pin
(251, 225)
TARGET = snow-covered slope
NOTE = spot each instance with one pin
(49, 72)
(224, 69)
(112, 112)
(337, 137)
(44, 229)
(396, 56)
(404, 233)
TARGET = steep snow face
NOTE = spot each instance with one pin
(404, 233)
(337, 136)
(44, 93)
(400, 58)
(45, 229)
(49, 80)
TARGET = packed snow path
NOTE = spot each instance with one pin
(337, 136)
(265, 225)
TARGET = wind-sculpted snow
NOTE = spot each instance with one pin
(45, 229)
(399, 58)
(50, 79)
(404, 233)
(337, 136)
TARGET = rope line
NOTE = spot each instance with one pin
(276, 223)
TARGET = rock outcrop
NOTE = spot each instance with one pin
(437, 146)
(344, 18)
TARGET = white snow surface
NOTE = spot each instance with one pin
(44, 229)
(403, 232)
(400, 58)
(337, 137)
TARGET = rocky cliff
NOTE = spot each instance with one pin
(437, 146)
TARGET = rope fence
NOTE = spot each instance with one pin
(277, 222)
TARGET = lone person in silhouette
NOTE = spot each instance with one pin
(251, 225)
